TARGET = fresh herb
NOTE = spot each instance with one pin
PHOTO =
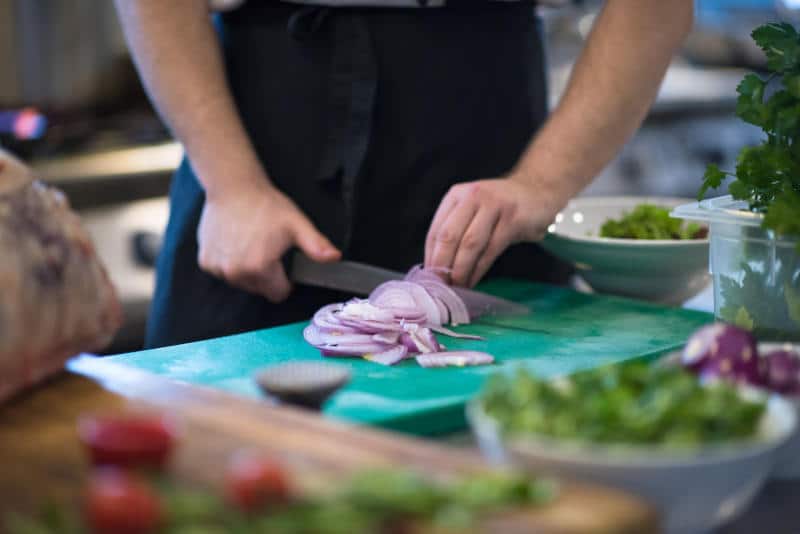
(754, 301)
(633, 403)
(767, 176)
(647, 221)
(372, 502)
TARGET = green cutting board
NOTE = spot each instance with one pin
(566, 332)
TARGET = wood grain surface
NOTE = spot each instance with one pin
(41, 459)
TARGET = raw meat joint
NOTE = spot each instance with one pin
(56, 299)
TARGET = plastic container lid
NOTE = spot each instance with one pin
(719, 210)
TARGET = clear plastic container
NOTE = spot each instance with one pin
(756, 274)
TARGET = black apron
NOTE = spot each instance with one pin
(365, 117)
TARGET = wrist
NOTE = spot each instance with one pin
(550, 194)
(220, 186)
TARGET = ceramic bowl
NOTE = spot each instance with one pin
(787, 461)
(668, 271)
(787, 465)
(695, 491)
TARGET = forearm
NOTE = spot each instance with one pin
(179, 59)
(613, 84)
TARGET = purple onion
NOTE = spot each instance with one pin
(398, 319)
(724, 351)
(783, 371)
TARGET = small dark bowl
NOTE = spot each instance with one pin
(307, 383)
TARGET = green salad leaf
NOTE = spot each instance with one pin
(648, 221)
(371, 502)
(632, 403)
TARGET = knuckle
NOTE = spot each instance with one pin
(231, 271)
(471, 242)
(446, 237)
(475, 190)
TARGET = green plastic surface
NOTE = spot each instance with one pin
(566, 332)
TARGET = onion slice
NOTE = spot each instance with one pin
(450, 333)
(388, 357)
(457, 358)
(397, 320)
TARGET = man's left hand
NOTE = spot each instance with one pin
(477, 221)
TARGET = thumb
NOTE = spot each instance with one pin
(315, 245)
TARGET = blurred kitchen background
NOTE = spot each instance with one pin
(105, 147)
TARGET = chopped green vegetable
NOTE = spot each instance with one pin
(372, 502)
(633, 403)
(768, 175)
(647, 221)
(763, 301)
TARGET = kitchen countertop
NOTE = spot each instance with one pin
(42, 460)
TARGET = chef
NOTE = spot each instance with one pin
(389, 132)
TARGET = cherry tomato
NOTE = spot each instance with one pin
(254, 482)
(129, 440)
(120, 503)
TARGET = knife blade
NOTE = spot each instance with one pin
(361, 278)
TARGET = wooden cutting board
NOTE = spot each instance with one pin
(41, 458)
(567, 331)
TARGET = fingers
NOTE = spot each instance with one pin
(473, 244)
(315, 245)
(449, 234)
(445, 206)
(254, 276)
(274, 284)
(500, 240)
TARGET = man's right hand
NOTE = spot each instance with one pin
(243, 235)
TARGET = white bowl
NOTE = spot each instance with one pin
(787, 465)
(787, 461)
(694, 491)
(669, 271)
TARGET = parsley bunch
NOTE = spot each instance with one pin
(768, 175)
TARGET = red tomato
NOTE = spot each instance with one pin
(254, 482)
(120, 503)
(128, 440)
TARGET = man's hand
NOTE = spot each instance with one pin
(242, 237)
(612, 85)
(477, 221)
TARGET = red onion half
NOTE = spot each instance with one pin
(397, 321)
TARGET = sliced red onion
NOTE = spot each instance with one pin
(388, 357)
(455, 358)
(420, 339)
(450, 333)
(353, 350)
(395, 295)
(326, 319)
(347, 338)
(407, 341)
(390, 338)
(398, 319)
(442, 293)
(361, 309)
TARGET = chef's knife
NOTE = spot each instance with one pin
(361, 279)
